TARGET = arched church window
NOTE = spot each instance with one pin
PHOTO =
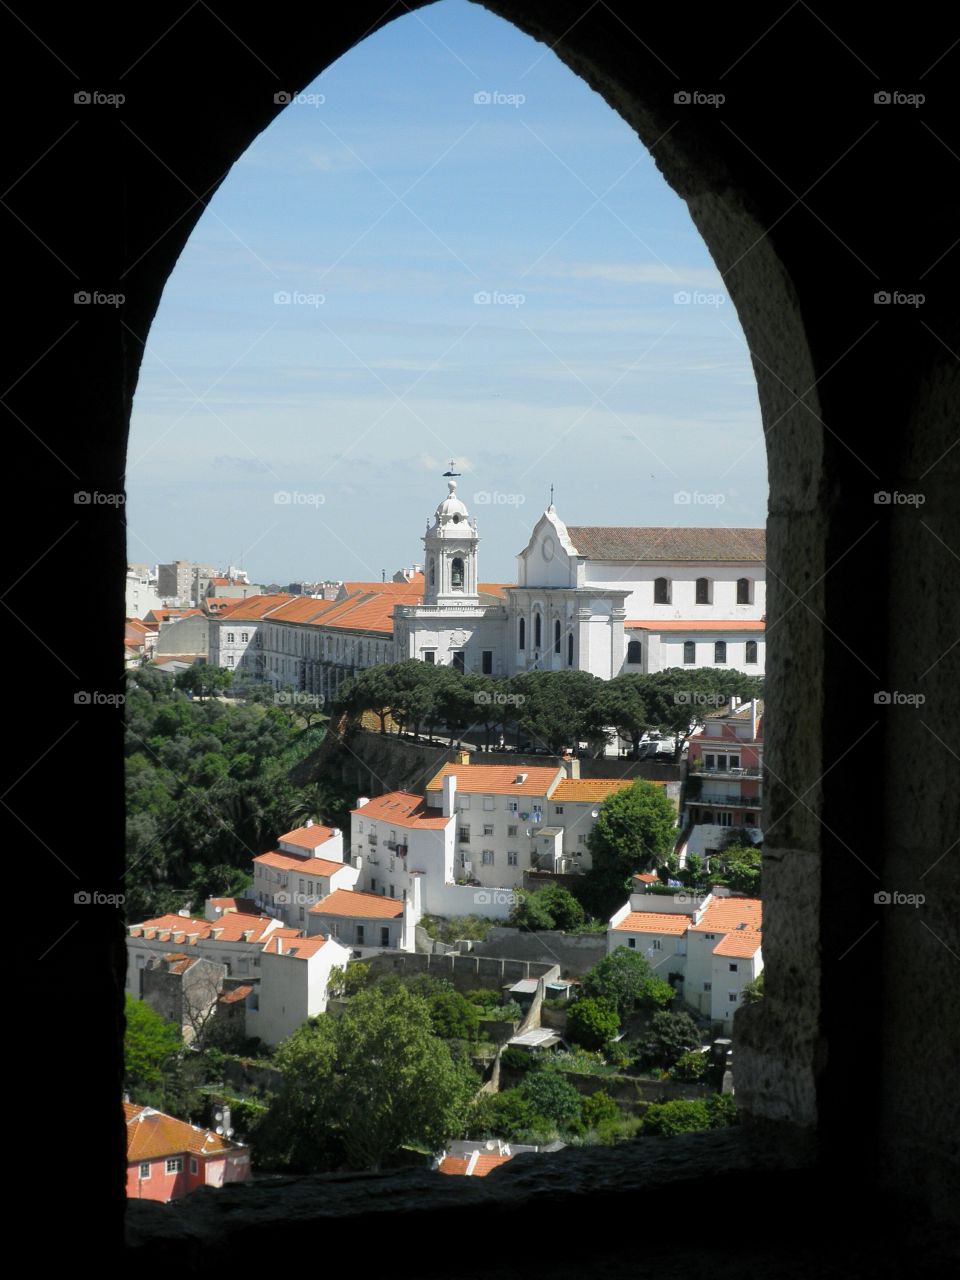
(537, 639)
(703, 591)
(523, 633)
(634, 651)
(556, 636)
(689, 651)
(661, 591)
(570, 651)
(456, 574)
(433, 572)
(743, 591)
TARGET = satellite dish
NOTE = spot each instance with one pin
(218, 1116)
(229, 1133)
(595, 813)
(491, 1145)
(220, 1128)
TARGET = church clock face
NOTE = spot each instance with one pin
(547, 549)
(458, 638)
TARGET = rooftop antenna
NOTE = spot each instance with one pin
(551, 495)
(451, 472)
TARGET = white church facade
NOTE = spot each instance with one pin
(602, 599)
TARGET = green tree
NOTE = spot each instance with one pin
(151, 1048)
(508, 1115)
(599, 1109)
(753, 990)
(453, 1016)
(625, 978)
(203, 680)
(689, 1115)
(592, 1023)
(552, 1096)
(634, 830)
(668, 1037)
(690, 1066)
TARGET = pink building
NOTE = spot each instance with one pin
(168, 1158)
(725, 768)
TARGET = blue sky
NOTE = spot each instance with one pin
(386, 204)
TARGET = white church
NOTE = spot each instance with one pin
(603, 599)
(589, 598)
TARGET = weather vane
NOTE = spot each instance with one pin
(451, 472)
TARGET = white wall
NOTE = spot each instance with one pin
(292, 989)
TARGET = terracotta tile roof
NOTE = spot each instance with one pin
(177, 962)
(647, 877)
(254, 608)
(304, 865)
(163, 615)
(246, 906)
(573, 789)
(742, 943)
(497, 779)
(346, 902)
(696, 624)
(724, 914)
(453, 1165)
(295, 948)
(151, 1135)
(487, 1163)
(404, 810)
(476, 1165)
(674, 924)
(605, 542)
(235, 995)
(229, 928)
(307, 837)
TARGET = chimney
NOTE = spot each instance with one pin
(463, 757)
(362, 800)
(449, 794)
(309, 822)
(571, 767)
(734, 702)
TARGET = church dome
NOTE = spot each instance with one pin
(451, 510)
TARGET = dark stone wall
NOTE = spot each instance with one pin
(811, 198)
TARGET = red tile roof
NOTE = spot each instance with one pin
(295, 948)
(152, 1135)
(476, 1165)
(605, 542)
(304, 865)
(229, 928)
(453, 1165)
(235, 995)
(402, 809)
(307, 837)
(673, 924)
(724, 914)
(350, 904)
(585, 789)
(497, 779)
(741, 943)
(246, 906)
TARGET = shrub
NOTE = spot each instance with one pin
(690, 1066)
(550, 1095)
(668, 1037)
(592, 1023)
(484, 999)
(598, 1109)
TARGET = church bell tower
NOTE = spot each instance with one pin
(450, 552)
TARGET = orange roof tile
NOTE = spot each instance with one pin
(487, 1163)
(673, 924)
(229, 928)
(235, 995)
(152, 1135)
(497, 779)
(254, 608)
(307, 837)
(724, 914)
(404, 810)
(293, 862)
(695, 624)
(246, 906)
(295, 948)
(346, 902)
(742, 943)
(573, 789)
(453, 1165)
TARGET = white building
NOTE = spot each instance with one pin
(367, 923)
(141, 593)
(712, 942)
(294, 976)
(587, 598)
(307, 865)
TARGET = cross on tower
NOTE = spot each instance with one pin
(451, 472)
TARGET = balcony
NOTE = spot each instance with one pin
(727, 802)
(698, 770)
